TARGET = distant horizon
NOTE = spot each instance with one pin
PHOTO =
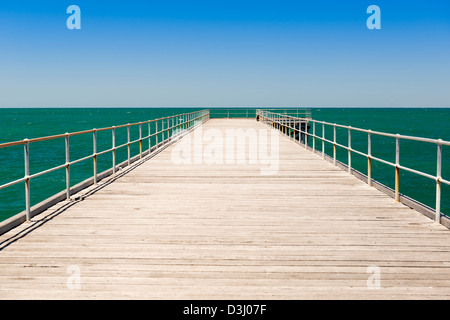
(230, 107)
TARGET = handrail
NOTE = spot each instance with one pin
(245, 112)
(170, 127)
(286, 124)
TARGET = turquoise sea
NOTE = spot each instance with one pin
(17, 124)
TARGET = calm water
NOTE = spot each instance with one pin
(17, 124)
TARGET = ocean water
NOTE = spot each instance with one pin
(17, 124)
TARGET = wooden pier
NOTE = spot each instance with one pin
(225, 231)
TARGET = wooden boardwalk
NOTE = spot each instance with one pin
(224, 231)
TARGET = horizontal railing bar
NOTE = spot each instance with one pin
(417, 172)
(34, 175)
(104, 151)
(11, 144)
(81, 159)
(12, 183)
(57, 136)
(359, 152)
(121, 146)
(337, 144)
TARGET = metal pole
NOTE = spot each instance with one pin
(306, 134)
(94, 141)
(27, 179)
(397, 169)
(114, 149)
(128, 144)
(149, 137)
(314, 137)
(349, 149)
(67, 167)
(438, 181)
(140, 140)
(334, 144)
(157, 133)
(162, 131)
(323, 139)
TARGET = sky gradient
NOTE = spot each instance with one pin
(225, 53)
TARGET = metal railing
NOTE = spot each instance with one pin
(252, 112)
(165, 129)
(287, 125)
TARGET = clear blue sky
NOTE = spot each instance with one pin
(224, 53)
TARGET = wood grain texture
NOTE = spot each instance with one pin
(224, 231)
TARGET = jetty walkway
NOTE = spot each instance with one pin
(172, 227)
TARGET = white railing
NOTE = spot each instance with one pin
(252, 112)
(164, 129)
(287, 125)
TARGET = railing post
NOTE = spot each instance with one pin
(67, 167)
(27, 179)
(397, 169)
(140, 140)
(94, 143)
(128, 144)
(334, 144)
(149, 136)
(369, 158)
(299, 131)
(114, 149)
(323, 139)
(314, 137)
(349, 149)
(438, 181)
(156, 133)
(162, 131)
(306, 134)
(289, 128)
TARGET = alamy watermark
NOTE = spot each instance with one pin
(232, 146)
(74, 20)
(74, 280)
(374, 280)
(374, 21)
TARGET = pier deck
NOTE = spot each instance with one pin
(224, 231)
